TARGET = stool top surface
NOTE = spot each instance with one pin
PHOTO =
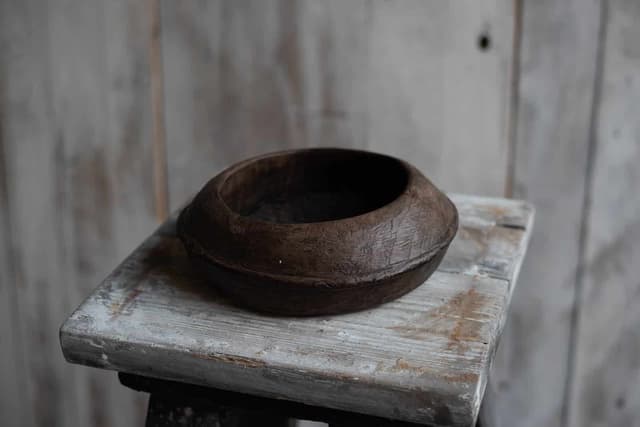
(422, 358)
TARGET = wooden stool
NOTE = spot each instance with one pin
(422, 359)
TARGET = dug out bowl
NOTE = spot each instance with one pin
(317, 231)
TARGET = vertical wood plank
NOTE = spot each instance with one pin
(438, 96)
(332, 58)
(102, 109)
(11, 387)
(79, 194)
(12, 390)
(159, 146)
(557, 63)
(407, 78)
(33, 258)
(606, 386)
(221, 86)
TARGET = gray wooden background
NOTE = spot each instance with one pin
(113, 113)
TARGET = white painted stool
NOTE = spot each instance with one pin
(421, 359)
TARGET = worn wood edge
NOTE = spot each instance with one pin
(490, 213)
(515, 273)
(525, 222)
(523, 209)
(75, 342)
(496, 335)
(524, 244)
(84, 346)
(453, 403)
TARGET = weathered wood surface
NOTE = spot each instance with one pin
(407, 78)
(557, 71)
(76, 193)
(606, 385)
(423, 357)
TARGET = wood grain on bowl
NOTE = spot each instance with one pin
(317, 231)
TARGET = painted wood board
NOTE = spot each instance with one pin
(33, 390)
(102, 109)
(11, 357)
(555, 94)
(74, 117)
(423, 357)
(12, 387)
(407, 78)
(606, 379)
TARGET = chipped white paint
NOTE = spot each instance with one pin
(421, 358)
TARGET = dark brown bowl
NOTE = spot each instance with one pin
(318, 231)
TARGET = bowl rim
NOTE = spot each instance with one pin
(246, 220)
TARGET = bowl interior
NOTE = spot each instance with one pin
(314, 185)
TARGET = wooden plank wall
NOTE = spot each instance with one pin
(569, 353)
(112, 111)
(406, 78)
(557, 68)
(76, 192)
(606, 374)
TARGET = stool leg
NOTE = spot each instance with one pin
(166, 411)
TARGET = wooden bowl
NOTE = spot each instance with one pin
(317, 231)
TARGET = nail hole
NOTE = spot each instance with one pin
(620, 402)
(484, 41)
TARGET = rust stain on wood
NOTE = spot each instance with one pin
(478, 237)
(511, 235)
(244, 362)
(450, 320)
(117, 308)
(463, 377)
(464, 304)
(497, 211)
(402, 365)
(479, 246)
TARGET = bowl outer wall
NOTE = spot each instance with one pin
(379, 244)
